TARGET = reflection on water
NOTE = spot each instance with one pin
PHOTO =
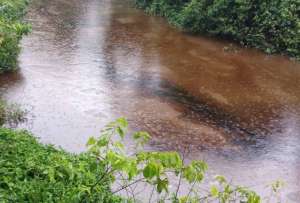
(88, 62)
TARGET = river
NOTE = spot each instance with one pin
(88, 62)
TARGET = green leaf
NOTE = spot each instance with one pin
(119, 145)
(162, 185)
(183, 199)
(91, 141)
(120, 132)
(221, 179)
(122, 122)
(151, 170)
(214, 191)
(103, 141)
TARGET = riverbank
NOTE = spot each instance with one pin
(269, 26)
(12, 28)
(32, 172)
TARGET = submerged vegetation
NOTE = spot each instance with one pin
(32, 172)
(11, 114)
(272, 26)
(11, 31)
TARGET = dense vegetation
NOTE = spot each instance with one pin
(270, 25)
(32, 172)
(11, 31)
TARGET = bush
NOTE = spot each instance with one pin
(11, 31)
(31, 172)
(272, 26)
(155, 170)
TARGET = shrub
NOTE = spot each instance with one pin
(31, 172)
(11, 31)
(157, 169)
(272, 26)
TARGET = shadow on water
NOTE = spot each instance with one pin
(129, 41)
(10, 80)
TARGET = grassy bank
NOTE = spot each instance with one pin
(31, 172)
(272, 26)
(11, 31)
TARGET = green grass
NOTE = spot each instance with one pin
(32, 172)
(272, 26)
(11, 31)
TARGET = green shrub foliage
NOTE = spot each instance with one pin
(31, 172)
(11, 31)
(270, 25)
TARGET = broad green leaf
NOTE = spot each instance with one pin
(151, 170)
(221, 179)
(214, 191)
(91, 141)
(162, 185)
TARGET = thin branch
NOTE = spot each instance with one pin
(126, 186)
(125, 181)
(150, 198)
(191, 189)
(106, 173)
(180, 177)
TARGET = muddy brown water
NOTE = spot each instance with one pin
(88, 62)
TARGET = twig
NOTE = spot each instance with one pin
(191, 189)
(150, 198)
(180, 177)
(125, 186)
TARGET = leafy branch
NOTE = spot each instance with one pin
(156, 168)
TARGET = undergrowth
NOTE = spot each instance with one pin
(12, 28)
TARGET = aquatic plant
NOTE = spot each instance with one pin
(272, 26)
(11, 114)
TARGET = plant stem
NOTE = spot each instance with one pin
(126, 186)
